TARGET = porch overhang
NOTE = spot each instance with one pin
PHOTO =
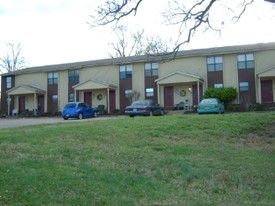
(92, 84)
(25, 89)
(178, 77)
(270, 72)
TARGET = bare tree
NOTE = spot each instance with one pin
(133, 96)
(190, 16)
(136, 43)
(126, 44)
(12, 59)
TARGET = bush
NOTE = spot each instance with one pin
(226, 94)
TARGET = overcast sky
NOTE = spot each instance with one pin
(56, 31)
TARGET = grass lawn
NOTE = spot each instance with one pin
(169, 160)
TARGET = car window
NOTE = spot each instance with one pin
(71, 105)
(140, 103)
(81, 105)
(209, 101)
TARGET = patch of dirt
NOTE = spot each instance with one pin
(265, 141)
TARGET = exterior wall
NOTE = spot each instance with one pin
(4, 96)
(35, 79)
(106, 73)
(138, 80)
(264, 60)
(215, 77)
(230, 71)
(177, 94)
(63, 90)
(190, 65)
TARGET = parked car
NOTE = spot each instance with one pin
(78, 110)
(144, 108)
(211, 105)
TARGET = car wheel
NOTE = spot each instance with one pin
(95, 114)
(66, 118)
(131, 115)
(80, 116)
(161, 112)
(151, 113)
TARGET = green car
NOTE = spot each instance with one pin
(211, 105)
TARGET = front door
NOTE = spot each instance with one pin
(169, 97)
(112, 99)
(40, 103)
(88, 98)
(22, 105)
(195, 94)
(266, 89)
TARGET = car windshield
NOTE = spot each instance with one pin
(209, 101)
(71, 105)
(140, 103)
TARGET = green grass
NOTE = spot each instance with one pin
(170, 160)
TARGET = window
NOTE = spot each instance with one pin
(218, 85)
(149, 92)
(52, 78)
(246, 61)
(8, 82)
(151, 69)
(244, 86)
(73, 76)
(214, 64)
(71, 97)
(125, 71)
(55, 97)
(128, 93)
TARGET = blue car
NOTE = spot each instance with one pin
(78, 110)
(211, 105)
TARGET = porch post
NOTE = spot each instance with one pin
(259, 90)
(9, 104)
(35, 104)
(108, 100)
(158, 94)
(74, 95)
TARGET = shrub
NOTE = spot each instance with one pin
(226, 94)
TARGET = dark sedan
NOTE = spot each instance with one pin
(144, 108)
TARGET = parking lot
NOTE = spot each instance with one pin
(11, 122)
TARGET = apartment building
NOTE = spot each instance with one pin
(166, 79)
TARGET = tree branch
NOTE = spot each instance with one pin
(113, 11)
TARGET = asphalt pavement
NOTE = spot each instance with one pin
(12, 122)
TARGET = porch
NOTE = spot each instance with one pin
(180, 90)
(97, 93)
(28, 99)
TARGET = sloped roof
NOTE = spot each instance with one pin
(94, 84)
(25, 89)
(178, 77)
(147, 58)
(269, 72)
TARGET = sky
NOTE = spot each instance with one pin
(56, 31)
